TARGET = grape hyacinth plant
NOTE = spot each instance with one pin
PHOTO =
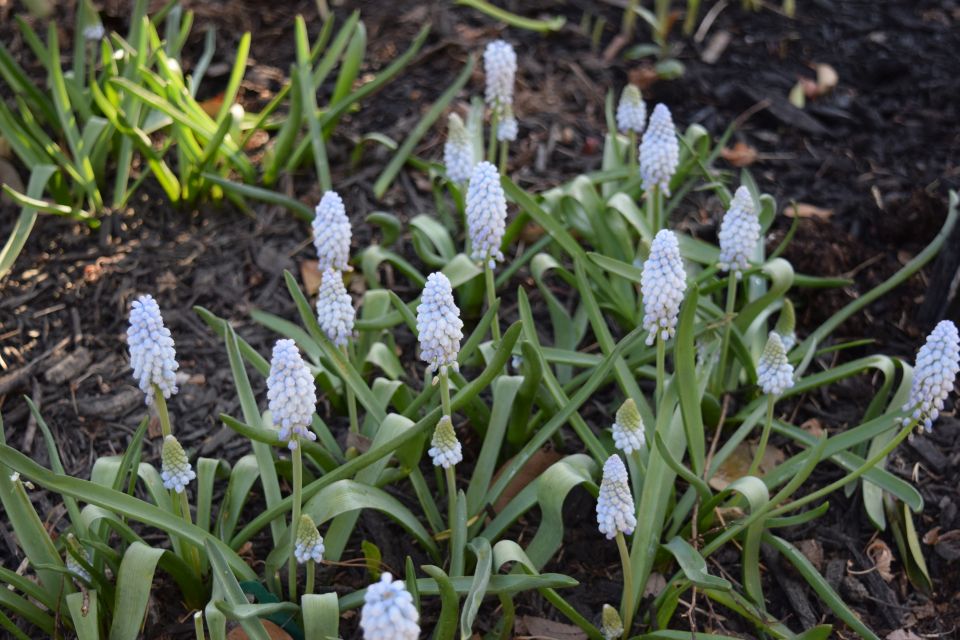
(659, 156)
(641, 373)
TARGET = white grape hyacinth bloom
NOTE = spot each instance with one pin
(739, 233)
(659, 151)
(774, 371)
(292, 393)
(388, 612)
(615, 509)
(628, 435)
(631, 110)
(175, 469)
(439, 325)
(335, 312)
(331, 233)
(152, 355)
(662, 284)
(938, 362)
(486, 214)
(445, 449)
(458, 151)
(309, 542)
(500, 68)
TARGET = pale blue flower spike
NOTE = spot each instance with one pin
(486, 214)
(628, 435)
(458, 151)
(739, 233)
(175, 469)
(500, 68)
(615, 508)
(774, 371)
(309, 542)
(659, 151)
(934, 376)
(445, 449)
(631, 110)
(331, 233)
(439, 325)
(152, 355)
(335, 312)
(662, 283)
(388, 612)
(292, 394)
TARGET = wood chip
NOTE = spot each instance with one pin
(715, 48)
(804, 210)
(70, 368)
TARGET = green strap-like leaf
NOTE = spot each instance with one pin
(134, 584)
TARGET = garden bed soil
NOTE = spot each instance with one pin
(876, 156)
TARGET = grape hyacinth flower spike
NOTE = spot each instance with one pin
(175, 469)
(631, 111)
(458, 151)
(500, 67)
(439, 325)
(486, 214)
(331, 233)
(309, 542)
(445, 449)
(774, 371)
(739, 233)
(388, 612)
(616, 517)
(335, 312)
(659, 151)
(628, 435)
(292, 393)
(662, 284)
(152, 355)
(615, 508)
(935, 374)
(774, 375)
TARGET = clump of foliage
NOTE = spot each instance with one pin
(695, 350)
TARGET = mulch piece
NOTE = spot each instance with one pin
(879, 152)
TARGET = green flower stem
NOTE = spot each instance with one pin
(504, 152)
(850, 477)
(445, 393)
(161, 403)
(655, 209)
(351, 397)
(632, 151)
(764, 437)
(626, 27)
(626, 602)
(198, 626)
(492, 144)
(297, 462)
(311, 576)
(661, 371)
(491, 299)
(189, 549)
(451, 497)
(721, 378)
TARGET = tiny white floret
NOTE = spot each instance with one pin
(659, 151)
(335, 312)
(486, 214)
(739, 233)
(628, 435)
(631, 110)
(445, 449)
(439, 325)
(309, 542)
(175, 469)
(774, 371)
(458, 151)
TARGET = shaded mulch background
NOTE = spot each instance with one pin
(879, 152)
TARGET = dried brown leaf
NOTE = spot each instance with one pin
(813, 551)
(804, 210)
(537, 464)
(739, 155)
(273, 632)
(542, 628)
(882, 558)
(310, 276)
(738, 463)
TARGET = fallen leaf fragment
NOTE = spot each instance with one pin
(813, 551)
(882, 558)
(273, 632)
(804, 210)
(738, 463)
(902, 634)
(739, 155)
(311, 276)
(827, 78)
